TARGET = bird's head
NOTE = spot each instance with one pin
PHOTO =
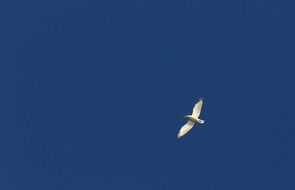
(201, 121)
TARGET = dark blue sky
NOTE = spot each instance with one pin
(94, 92)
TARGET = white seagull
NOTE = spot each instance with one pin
(192, 119)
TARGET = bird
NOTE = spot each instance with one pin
(192, 119)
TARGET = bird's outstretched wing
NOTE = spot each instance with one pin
(184, 129)
(197, 109)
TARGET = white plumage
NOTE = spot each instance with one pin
(192, 119)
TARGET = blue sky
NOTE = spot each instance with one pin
(93, 94)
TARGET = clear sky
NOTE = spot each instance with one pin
(93, 94)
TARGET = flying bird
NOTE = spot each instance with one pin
(192, 119)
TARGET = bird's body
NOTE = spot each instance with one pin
(192, 119)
